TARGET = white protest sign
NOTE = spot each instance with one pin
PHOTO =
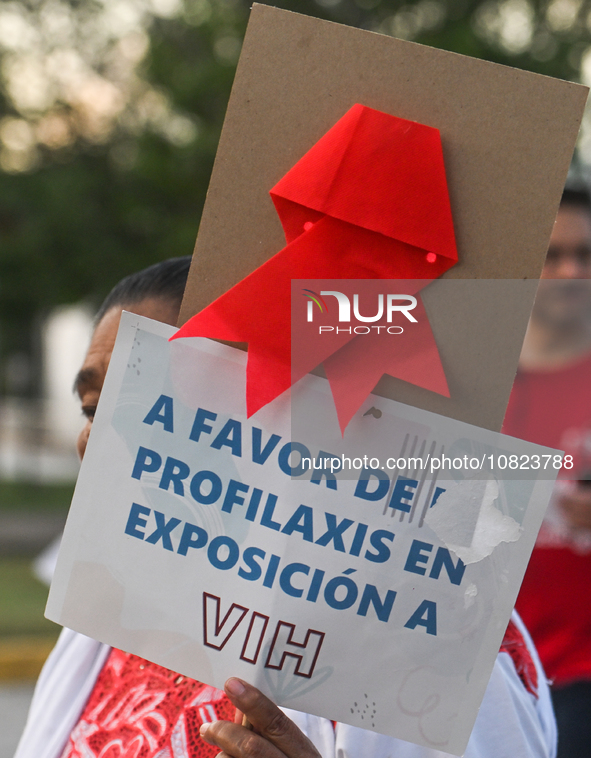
(204, 541)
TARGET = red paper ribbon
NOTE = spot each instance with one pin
(368, 201)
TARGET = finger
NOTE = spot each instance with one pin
(237, 742)
(269, 721)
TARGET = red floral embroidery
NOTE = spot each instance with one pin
(514, 644)
(140, 710)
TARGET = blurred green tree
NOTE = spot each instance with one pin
(111, 111)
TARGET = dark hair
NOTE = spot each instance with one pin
(576, 198)
(165, 280)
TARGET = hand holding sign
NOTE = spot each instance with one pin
(276, 735)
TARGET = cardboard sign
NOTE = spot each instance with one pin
(507, 138)
(217, 545)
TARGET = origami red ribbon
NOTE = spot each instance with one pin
(368, 201)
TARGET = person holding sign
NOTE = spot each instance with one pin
(92, 700)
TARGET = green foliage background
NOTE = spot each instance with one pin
(88, 212)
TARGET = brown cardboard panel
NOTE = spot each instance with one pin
(507, 136)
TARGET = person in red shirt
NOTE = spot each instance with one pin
(551, 405)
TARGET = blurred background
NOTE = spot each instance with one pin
(110, 112)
